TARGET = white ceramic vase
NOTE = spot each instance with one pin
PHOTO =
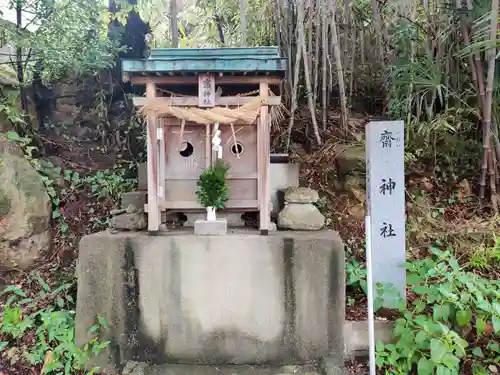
(211, 214)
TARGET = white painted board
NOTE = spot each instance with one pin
(386, 204)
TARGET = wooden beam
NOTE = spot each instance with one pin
(263, 151)
(192, 101)
(154, 216)
(208, 146)
(162, 156)
(193, 80)
(230, 176)
(173, 121)
(193, 205)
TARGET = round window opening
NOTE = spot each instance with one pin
(237, 149)
(187, 149)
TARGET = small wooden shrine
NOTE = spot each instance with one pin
(192, 94)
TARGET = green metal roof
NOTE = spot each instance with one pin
(179, 61)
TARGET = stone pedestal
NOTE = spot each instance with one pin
(299, 212)
(242, 298)
(210, 228)
(233, 219)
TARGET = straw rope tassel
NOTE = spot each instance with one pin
(183, 123)
(234, 136)
(235, 143)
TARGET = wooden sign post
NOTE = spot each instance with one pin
(386, 205)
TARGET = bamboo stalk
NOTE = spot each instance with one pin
(378, 28)
(173, 24)
(324, 36)
(488, 104)
(309, 33)
(472, 63)
(243, 23)
(351, 68)
(362, 44)
(302, 42)
(340, 73)
(346, 18)
(492, 164)
(295, 83)
(317, 25)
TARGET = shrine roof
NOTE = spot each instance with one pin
(194, 61)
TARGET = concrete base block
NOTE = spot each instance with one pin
(133, 221)
(210, 228)
(331, 366)
(135, 368)
(356, 334)
(237, 299)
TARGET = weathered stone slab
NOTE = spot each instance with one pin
(301, 195)
(242, 298)
(133, 198)
(135, 368)
(281, 176)
(299, 216)
(210, 228)
(129, 221)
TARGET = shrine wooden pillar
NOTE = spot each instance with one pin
(154, 216)
(263, 159)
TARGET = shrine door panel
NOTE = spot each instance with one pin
(185, 161)
(242, 157)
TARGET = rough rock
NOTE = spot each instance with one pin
(25, 210)
(11, 148)
(133, 198)
(129, 221)
(117, 211)
(301, 195)
(356, 212)
(350, 159)
(299, 216)
(355, 185)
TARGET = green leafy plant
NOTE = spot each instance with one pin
(106, 184)
(53, 325)
(212, 189)
(454, 319)
(356, 273)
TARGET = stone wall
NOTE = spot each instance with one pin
(241, 298)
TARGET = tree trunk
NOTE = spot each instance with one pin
(19, 60)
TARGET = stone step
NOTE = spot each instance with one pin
(138, 368)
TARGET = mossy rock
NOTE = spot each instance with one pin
(5, 204)
(350, 159)
(25, 210)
